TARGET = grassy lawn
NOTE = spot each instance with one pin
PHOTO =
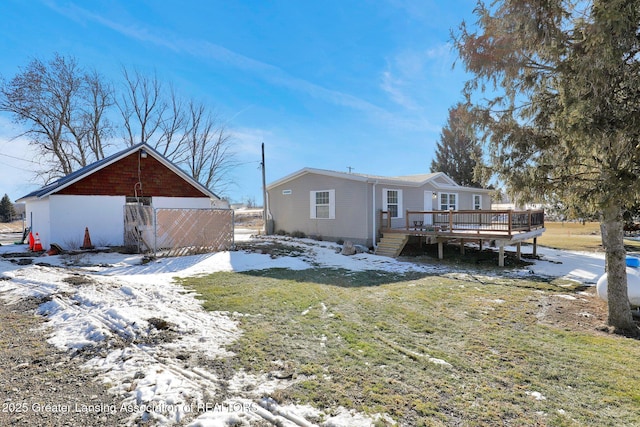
(428, 350)
(576, 236)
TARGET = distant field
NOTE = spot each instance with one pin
(572, 235)
(577, 236)
(11, 227)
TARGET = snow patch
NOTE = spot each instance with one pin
(162, 370)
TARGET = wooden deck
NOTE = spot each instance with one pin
(500, 227)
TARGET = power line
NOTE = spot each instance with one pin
(15, 167)
(19, 158)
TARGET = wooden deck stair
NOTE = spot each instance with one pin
(391, 244)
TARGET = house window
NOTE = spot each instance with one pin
(392, 202)
(323, 204)
(448, 201)
(477, 202)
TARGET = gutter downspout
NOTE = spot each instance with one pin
(373, 214)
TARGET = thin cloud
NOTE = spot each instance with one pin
(395, 87)
(408, 79)
(211, 51)
(410, 118)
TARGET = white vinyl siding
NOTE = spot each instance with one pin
(448, 201)
(322, 204)
(392, 202)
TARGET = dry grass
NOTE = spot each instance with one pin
(373, 341)
(577, 236)
(11, 227)
(572, 236)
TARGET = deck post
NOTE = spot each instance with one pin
(535, 247)
(440, 249)
(450, 220)
(518, 249)
(501, 256)
(461, 246)
(480, 244)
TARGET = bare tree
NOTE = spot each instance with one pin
(152, 116)
(208, 154)
(62, 107)
(65, 110)
(173, 127)
(99, 100)
(141, 106)
(186, 132)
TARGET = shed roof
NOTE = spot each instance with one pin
(76, 176)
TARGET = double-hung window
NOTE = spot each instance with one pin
(392, 202)
(477, 202)
(322, 204)
(448, 201)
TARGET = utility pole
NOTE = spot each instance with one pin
(264, 194)
(350, 168)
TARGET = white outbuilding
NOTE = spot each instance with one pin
(95, 197)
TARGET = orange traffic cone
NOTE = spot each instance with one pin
(87, 240)
(31, 241)
(37, 245)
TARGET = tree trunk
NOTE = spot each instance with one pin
(619, 309)
(603, 236)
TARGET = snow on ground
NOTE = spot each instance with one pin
(111, 305)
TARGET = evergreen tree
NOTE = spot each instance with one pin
(6, 209)
(458, 152)
(559, 111)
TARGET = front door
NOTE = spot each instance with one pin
(428, 206)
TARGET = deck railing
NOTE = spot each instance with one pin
(486, 221)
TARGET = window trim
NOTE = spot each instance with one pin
(385, 201)
(313, 206)
(455, 205)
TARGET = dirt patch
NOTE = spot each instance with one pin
(274, 249)
(582, 310)
(78, 280)
(43, 386)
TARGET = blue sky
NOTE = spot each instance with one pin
(326, 84)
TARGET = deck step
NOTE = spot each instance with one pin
(391, 244)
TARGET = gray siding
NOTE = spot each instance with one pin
(291, 212)
(289, 204)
